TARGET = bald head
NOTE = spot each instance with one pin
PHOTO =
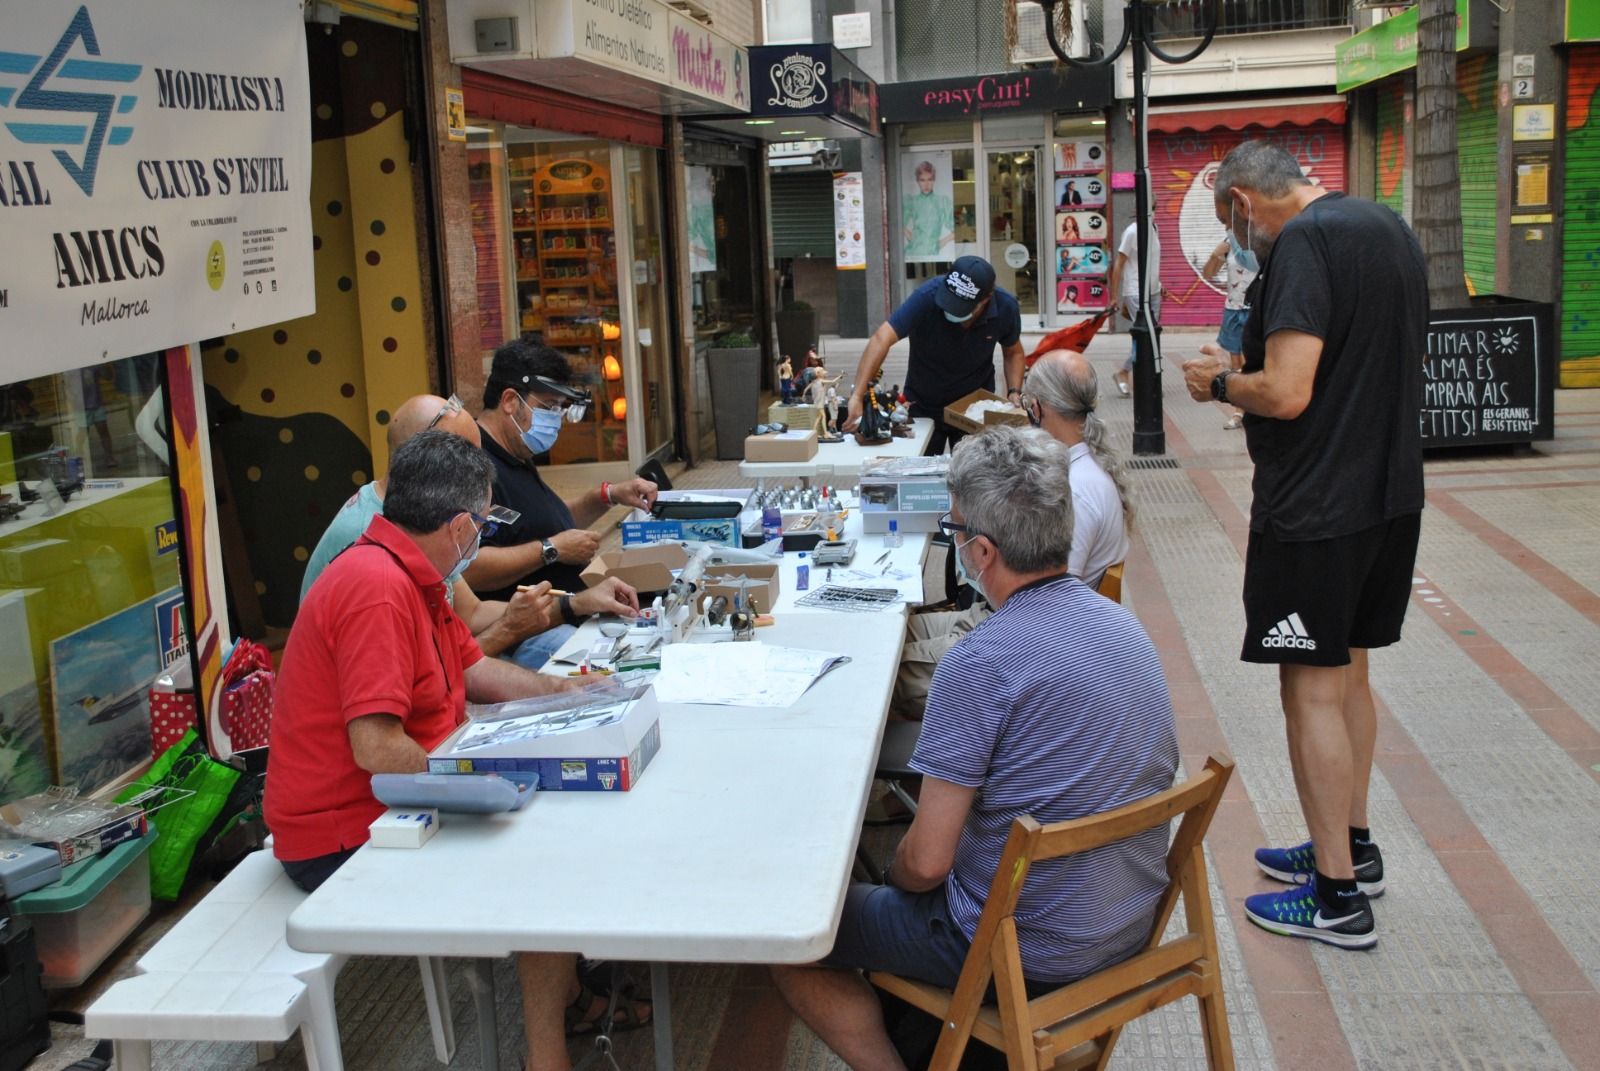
(415, 415)
(1065, 381)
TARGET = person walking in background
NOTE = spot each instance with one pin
(1332, 380)
(1125, 284)
(1242, 267)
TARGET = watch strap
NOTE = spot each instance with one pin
(567, 615)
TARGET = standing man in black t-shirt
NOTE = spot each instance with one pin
(1332, 393)
(954, 323)
(528, 398)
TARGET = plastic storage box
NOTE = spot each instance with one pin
(82, 918)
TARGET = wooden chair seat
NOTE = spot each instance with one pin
(1077, 1025)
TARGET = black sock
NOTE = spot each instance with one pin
(1360, 837)
(1334, 894)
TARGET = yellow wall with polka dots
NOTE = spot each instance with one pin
(313, 395)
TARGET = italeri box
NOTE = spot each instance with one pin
(913, 491)
(596, 740)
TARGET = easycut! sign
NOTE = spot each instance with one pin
(155, 162)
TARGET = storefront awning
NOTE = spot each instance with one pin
(1234, 115)
(641, 55)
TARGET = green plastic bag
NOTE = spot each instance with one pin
(185, 765)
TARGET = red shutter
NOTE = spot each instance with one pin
(1182, 167)
(491, 96)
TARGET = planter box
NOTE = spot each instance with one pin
(735, 396)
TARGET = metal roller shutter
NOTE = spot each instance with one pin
(1478, 164)
(1182, 169)
(1390, 159)
(1580, 235)
(802, 214)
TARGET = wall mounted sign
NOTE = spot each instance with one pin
(1533, 122)
(156, 179)
(811, 79)
(1014, 91)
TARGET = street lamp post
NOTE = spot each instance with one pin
(1149, 436)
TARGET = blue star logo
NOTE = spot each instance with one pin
(96, 129)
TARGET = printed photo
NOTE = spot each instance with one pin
(927, 207)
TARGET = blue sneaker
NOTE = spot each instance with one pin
(1296, 865)
(1296, 913)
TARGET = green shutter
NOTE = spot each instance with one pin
(1580, 233)
(1390, 159)
(802, 214)
(1478, 164)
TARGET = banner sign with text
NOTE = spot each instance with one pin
(155, 169)
(1490, 376)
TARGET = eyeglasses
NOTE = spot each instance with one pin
(768, 429)
(574, 412)
(452, 406)
(950, 527)
(498, 516)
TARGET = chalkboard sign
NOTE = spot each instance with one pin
(1489, 376)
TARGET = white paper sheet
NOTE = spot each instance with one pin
(739, 674)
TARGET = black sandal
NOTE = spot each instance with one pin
(621, 1007)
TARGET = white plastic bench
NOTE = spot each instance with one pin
(225, 972)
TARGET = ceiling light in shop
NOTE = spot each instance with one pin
(759, 122)
(1097, 122)
(788, 132)
(816, 139)
(619, 408)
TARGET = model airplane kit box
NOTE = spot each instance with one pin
(597, 740)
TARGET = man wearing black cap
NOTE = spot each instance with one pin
(528, 398)
(953, 323)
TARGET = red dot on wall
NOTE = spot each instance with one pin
(373, 257)
(347, 389)
(268, 395)
(386, 166)
(390, 345)
(280, 337)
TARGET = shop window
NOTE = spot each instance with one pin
(938, 210)
(89, 585)
(544, 227)
(1085, 240)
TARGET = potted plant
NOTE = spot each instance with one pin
(797, 330)
(734, 365)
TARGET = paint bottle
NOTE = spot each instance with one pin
(802, 574)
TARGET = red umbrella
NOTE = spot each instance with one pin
(1075, 337)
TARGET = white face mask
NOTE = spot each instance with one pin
(974, 582)
(466, 557)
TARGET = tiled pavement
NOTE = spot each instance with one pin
(1484, 797)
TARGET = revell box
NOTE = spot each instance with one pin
(641, 568)
(594, 748)
(955, 414)
(792, 445)
(704, 530)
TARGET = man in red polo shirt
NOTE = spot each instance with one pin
(377, 672)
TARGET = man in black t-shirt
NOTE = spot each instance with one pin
(527, 400)
(1332, 392)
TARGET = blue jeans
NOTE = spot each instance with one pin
(536, 650)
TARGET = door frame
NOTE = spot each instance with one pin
(1046, 280)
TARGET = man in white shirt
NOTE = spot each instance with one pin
(1125, 284)
(1059, 394)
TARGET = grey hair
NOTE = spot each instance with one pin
(1259, 165)
(434, 477)
(1075, 398)
(1011, 484)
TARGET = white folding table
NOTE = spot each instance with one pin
(840, 461)
(735, 847)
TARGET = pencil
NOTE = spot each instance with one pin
(558, 593)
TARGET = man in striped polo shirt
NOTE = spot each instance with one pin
(1055, 707)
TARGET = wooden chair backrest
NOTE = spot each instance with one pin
(995, 954)
(1111, 583)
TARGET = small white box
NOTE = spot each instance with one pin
(411, 828)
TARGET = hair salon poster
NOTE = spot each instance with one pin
(155, 168)
(927, 207)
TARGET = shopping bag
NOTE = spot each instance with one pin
(243, 718)
(173, 707)
(182, 823)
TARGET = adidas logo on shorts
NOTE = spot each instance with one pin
(1289, 632)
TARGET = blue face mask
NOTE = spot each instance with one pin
(965, 577)
(953, 318)
(542, 431)
(468, 556)
(1245, 258)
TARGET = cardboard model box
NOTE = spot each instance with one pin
(798, 417)
(723, 530)
(641, 568)
(576, 741)
(955, 414)
(914, 492)
(792, 445)
(762, 587)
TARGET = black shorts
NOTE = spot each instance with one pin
(1309, 603)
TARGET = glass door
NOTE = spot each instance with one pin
(651, 405)
(1014, 233)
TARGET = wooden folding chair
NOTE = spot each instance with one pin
(1077, 1026)
(1111, 583)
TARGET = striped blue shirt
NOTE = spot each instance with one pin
(1055, 707)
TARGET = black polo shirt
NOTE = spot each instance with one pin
(950, 360)
(518, 486)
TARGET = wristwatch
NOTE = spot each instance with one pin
(1219, 386)
(565, 602)
(549, 554)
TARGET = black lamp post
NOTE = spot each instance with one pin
(1149, 436)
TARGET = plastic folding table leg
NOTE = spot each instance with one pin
(130, 1055)
(480, 978)
(661, 1015)
(436, 992)
(321, 1029)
